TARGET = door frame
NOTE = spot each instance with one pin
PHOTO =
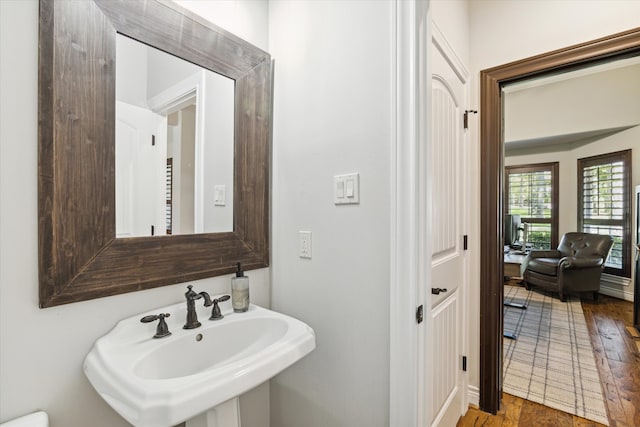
(491, 187)
(409, 123)
(189, 91)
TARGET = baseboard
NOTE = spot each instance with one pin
(610, 279)
(616, 291)
(473, 393)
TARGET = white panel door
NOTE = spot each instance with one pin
(140, 171)
(447, 177)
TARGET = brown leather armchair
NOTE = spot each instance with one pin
(576, 266)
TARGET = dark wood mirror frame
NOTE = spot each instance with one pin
(491, 255)
(80, 257)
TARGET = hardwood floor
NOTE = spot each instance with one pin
(618, 357)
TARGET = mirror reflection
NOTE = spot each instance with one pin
(174, 168)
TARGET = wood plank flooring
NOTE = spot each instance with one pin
(618, 357)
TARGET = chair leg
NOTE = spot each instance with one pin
(563, 297)
(595, 295)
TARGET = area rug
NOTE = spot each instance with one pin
(551, 362)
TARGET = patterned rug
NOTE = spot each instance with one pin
(551, 362)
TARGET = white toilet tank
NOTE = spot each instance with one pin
(37, 419)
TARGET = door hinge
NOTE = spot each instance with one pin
(466, 117)
(465, 242)
(153, 140)
(420, 314)
(464, 363)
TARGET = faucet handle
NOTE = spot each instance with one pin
(162, 330)
(216, 314)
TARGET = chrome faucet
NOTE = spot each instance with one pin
(192, 317)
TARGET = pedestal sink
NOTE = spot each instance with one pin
(193, 375)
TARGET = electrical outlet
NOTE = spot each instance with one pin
(304, 244)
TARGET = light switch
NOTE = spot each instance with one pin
(350, 191)
(220, 195)
(346, 189)
(340, 189)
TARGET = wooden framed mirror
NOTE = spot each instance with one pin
(80, 257)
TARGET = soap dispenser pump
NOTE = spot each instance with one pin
(240, 291)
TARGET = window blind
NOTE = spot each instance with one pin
(603, 191)
(530, 194)
(603, 205)
(169, 197)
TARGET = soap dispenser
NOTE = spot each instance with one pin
(240, 291)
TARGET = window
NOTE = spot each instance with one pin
(603, 205)
(532, 193)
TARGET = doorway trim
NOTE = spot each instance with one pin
(189, 91)
(491, 185)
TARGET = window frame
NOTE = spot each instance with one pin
(552, 167)
(625, 157)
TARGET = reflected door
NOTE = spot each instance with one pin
(140, 173)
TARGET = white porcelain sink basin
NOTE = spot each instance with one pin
(163, 382)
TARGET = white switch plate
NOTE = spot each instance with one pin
(346, 189)
(220, 192)
(304, 244)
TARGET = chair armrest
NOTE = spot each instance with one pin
(582, 262)
(545, 254)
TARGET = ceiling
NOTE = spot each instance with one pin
(564, 111)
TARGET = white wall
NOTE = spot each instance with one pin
(41, 350)
(247, 19)
(333, 115)
(504, 31)
(164, 70)
(131, 71)
(452, 18)
(218, 152)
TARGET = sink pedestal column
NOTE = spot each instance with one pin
(226, 414)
